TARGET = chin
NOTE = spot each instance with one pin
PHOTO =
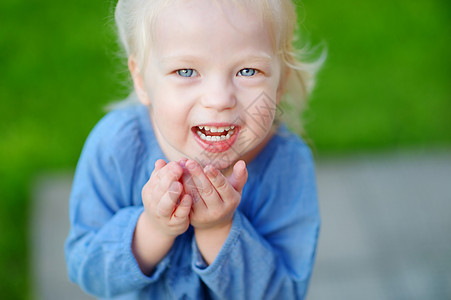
(222, 162)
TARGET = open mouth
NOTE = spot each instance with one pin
(215, 138)
(215, 134)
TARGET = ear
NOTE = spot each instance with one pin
(285, 74)
(138, 81)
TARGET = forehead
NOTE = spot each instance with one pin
(218, 25)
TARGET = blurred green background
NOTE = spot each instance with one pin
(385, 85)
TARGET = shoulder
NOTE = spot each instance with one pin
(290, 146)
(115, 155)
(286, 154)
(285, 168)
(121, 136)
(281, 180)
(116, 124)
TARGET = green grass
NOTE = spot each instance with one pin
(386, 81)
(385, 85)
(57, 72)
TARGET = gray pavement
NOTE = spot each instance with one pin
(386, 221)
(49, 227)
(386, 230)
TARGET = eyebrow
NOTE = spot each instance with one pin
(179, 58)
(263, 58)
(259, 58)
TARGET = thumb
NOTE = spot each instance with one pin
(239, 176)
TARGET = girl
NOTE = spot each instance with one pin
(193, 192)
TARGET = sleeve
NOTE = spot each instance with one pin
(103, 219)
(270, 254)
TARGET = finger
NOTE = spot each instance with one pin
(168, 202)
(183, 209)
(186, 177)
(171, 172)
(203, 184)
(190, 188)
(182, 162)
(159, 164)
(223, 187)
(148, 189)
(163, 179)
(239, 176)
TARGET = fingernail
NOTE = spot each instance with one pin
(240, 165)
(182, 162)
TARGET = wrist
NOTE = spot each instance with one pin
(153, 230)
(210, 240)
(149, 244)
(223, 227)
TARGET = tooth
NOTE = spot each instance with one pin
(209, 138)
(227, 128)
(203, 136)
(223, 137)
(228, 136)
(214, 129)
(201, 127)
(232, 127)
(199, 133)
(231, 132)
(221, 129)
(207, 128)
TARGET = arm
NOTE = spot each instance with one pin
(118, 256)
(163, 218)
(105, 206)
(218, 197)
(249, 266)
(271, 255)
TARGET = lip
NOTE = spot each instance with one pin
(216, 146)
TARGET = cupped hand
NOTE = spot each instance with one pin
(165, 204)
(215, 197)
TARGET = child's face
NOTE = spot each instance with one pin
(212, 80)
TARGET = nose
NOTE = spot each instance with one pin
(219, 93)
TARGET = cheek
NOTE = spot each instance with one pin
(262, 109)
(259, 117)
(171, 117)
(163, 102)
(168, 115)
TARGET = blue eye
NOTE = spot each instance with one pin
(187, 72)
(247, 72)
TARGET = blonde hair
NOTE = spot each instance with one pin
(134, 18)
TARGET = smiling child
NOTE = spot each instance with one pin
(194, 191)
